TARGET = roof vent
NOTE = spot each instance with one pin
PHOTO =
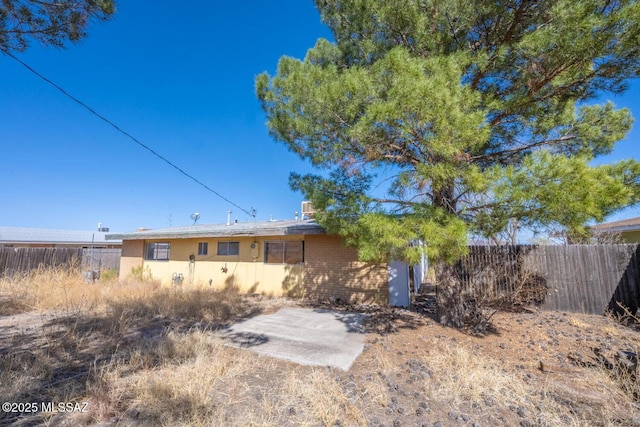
(307, 210)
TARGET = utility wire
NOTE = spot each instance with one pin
(134, 139)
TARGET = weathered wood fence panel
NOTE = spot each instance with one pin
(101, 259)
(16, 260)
(576, 278)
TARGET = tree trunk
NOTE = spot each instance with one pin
(450, 301)
(449, 298)
(457, 308)
(444, 198)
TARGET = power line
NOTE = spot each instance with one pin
(134, 139)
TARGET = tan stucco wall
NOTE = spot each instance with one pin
(246, 271)
(332, 270)
(131, 257)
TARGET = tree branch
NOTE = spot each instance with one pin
(511, 152)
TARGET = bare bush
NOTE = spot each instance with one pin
(494, 278)
(592, 236)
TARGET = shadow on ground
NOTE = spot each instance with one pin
(382, 320)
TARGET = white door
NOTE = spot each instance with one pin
(399, 284)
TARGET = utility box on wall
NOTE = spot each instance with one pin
(255, 250)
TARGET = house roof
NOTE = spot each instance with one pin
(629, 224)
(13, 235)
(264, 228)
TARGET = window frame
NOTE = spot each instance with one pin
(283, 244)
(156, 251)
(203, 248)
(229, 244)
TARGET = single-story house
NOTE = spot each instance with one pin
(21, 237)
(292, 258)
(629, 229)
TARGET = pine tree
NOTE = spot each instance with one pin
(51, 23)
(483, 113)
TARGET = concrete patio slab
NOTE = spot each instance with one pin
(313, 337)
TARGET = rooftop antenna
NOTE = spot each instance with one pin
(195, 217)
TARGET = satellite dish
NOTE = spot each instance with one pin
(195, 217)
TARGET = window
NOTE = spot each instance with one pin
(157, 251)
(203, 248)
(284, 252)
(274, 252)
(228, 248)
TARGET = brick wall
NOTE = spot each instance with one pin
(332, 270)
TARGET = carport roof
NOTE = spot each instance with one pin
(15, 235)
(629, 224)
(264, 228)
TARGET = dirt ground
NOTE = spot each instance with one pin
(554, 353)
(429, 375)
(549, 351)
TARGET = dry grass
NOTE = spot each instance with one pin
(138, 352)
(464, 387)
(483, 384)
(62, 289)
(141, 354)
(577, 322)
(194, 380)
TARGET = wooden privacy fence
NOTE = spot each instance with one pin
(16, 260)
(101, 259)
(577, 278)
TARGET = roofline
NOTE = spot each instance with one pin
(618, 228)
(194, 235)
(622, 225)
(60, 242)
(227, 231)
(53, 236)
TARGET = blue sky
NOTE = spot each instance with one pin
(181, 80)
